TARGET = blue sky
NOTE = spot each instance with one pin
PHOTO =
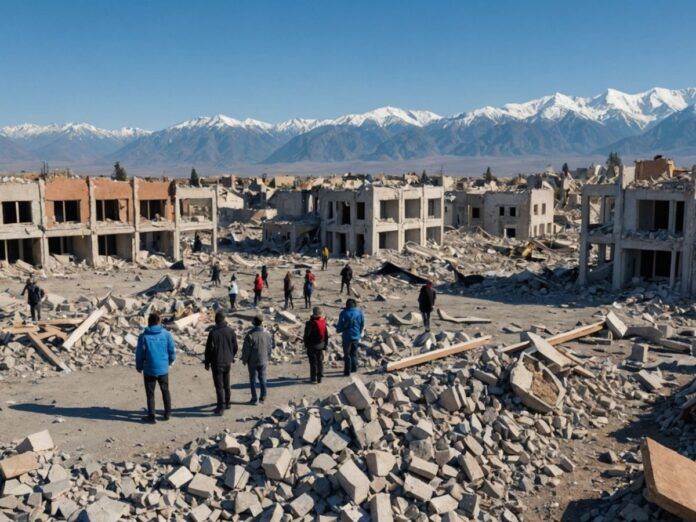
(154, 63)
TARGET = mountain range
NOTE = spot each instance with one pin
(655, 121)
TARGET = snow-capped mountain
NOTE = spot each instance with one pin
(554, 124)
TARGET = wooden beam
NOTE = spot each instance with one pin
(47, 353)
(52, 331)
(423, 358)
(669, 479)
(65, 321)
(563, 337)
(81, 330)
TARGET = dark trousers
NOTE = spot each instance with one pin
(426, 319)
(257, 297)
(260, 373)
(265, 281)
(233, 300)
(308, 299)
(288, 299)
(35, 311)
(347, 285)
(221, 380)
(350, 357)
(324, 263)
(316, 364)
(150, 383)
(216, 281)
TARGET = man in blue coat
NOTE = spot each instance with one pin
(153, 356)
(351, 323)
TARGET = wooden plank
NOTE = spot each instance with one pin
(444, 316)
(423, 358)
(47, 352)
(669, 479)
(81, 330)
(52, 331)
(23, 329)
(563, 337)
(65, 321)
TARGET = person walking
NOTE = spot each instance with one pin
(256, 352)
(316, 340)
(346, 278)
(351, 323)
(154, 354)
(308, 288)
(34, 297)
(220, 351)
(258, 289)
(288, 288)
(264, 275)
(426, 303)
(324, 257)
(215, 274)
(233, 290)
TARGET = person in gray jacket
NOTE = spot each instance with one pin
(256, 351)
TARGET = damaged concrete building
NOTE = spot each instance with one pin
(297, 222)
(639, 226)
(91, 217)
(516, 213)
(374, 217)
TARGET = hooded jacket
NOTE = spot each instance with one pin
(351, 322)
(316, 334)
(155, 351)
(221, 346)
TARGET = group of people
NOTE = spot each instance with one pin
(155, 353)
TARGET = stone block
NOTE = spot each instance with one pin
(450, 400)
(417, 488)
(236, 477)
(380, 463)
(615, 325)
(39, 441)
(104, 510)
(179, 477)
(353, 481)
(18, 465)
(639, 352)
(302, 505)
(357, 394)
(335, 441)
(380, 508)
(422, 430)
(276, 462)
(311, 429)
(422, 467)
(443, 504)
(201, 486)
(471, 467)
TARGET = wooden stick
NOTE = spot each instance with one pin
(563, 337)
(47, 353)
(423, 358)
(78, 332)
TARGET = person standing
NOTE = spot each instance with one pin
(346, 278)
(34, 297)
(351, 323)
(308, 288)
(316, 340)
(288, 288)
(220, 351)
(154, 354)
(215, 274)
(197, 243)
(426, 303)
(324, 257)
(256, 352)
(264, 275)
(233, 290)
(258, 289)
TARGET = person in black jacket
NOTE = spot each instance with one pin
(346, 278)
(288, 288)
(220, 351)
(316, 340)
(426, 303)
(264, 275)
(34, 297)
(215, 274)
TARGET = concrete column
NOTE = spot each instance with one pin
(136, 220)
(688, 282)
(584, 240)
(42, 224)
(619, 254)
(672, 267)
(215, 218)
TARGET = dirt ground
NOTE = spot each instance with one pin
(98, 412)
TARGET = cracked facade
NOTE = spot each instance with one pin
(92, 217)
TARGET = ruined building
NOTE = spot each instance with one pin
(639, 226)
(91, 217)
(375, 217)
(520, 213)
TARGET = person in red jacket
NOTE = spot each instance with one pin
(258, 288)
(316, 340)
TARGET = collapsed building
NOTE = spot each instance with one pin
(88, 218)
(374, 217)
(520, 213)
(639, 226)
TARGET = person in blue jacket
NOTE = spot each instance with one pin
(351, 323)
(153, 356)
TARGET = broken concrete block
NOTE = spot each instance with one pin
(247, 501)
(380, 463)
(18, 465)
(302, 505)
(537, 387)
(417, 488)
(276, 462)
(471, 467)
(651, 380)
(470, 503)
(54, 490)
(236, 477)
(422, 467)
(551, 356)
(422, 430)
(615, 325)
(311, 429)
(353, 481)
(443, 504)
(201, 486)
(380, 508)
(639, 353)
(357, 394)
(450, 400)
(104, 510)
(335, 441)
(39, 441)
(179, 477)
(200, 513)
